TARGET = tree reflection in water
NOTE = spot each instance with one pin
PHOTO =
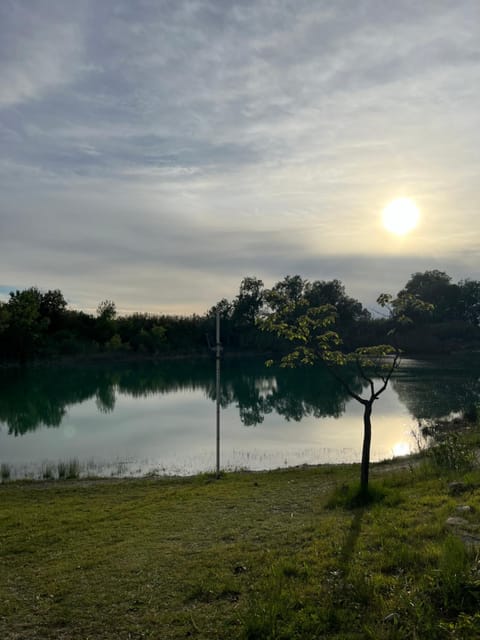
(431, 391)
(34, 397)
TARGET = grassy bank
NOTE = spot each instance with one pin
(252, 556)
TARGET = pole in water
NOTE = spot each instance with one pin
(218, 348)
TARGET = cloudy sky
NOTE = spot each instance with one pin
(154, 152)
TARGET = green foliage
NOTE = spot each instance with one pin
(429, 313)
(107, 310)
(25, 324)
(4, 317)
(62, 470)
(405, 307)
(248, 303)
(469, 301)
(354, 496)
(451, 452)
(465, 627)
(152, 341)
(308, 330)
(5, 471)
(73, 469)
(264, 617)
(299, 323)
(452, 581)
(68, 469)
(115, 343)
(48, 472)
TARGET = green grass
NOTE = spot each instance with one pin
(252, 556)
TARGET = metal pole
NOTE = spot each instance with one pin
(217, 359)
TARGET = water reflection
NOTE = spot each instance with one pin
(31, 398)
(164, 412)
(35, 397)
(432, 390)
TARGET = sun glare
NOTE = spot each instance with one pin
(401, 449)
(400, 216)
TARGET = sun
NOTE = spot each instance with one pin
(400, 216)
(401, 449)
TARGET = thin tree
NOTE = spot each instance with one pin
(310, 334)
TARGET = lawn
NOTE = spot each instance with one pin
(249, 556)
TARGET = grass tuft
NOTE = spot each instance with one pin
(353, 497)
(48, 471)
(61, 470)
(73, 469)
(5, 472)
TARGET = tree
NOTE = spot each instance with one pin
(107, 310)
(434, 287)
(53, 306)
(4, 317)
(26, 327)
(289, 291)
(470, 301)
(249, 301)
(351, 315)
(105, 323)
(246, 308)
(224, 307)
(401, 308)
(309, 330)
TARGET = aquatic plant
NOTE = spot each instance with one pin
(5, 471)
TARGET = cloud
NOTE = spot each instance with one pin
(40, 50)
(158, 152)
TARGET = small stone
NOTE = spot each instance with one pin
(454, 521)
(456, 488)
(464, 508)
(470, 540)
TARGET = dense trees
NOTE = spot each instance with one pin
(452, 302)
(27, 318)
(38, 324)
(469, 301)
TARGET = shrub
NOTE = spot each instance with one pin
(449, 453)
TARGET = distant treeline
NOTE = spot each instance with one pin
(38, 324)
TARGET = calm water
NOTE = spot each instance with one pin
(140, 418)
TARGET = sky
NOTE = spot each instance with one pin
(155, 152)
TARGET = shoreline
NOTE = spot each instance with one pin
(380, 467)
(127, 357)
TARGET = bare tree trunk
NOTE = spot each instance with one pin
(367, 438)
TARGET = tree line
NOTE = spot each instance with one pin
(39, 324)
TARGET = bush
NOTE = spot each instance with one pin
(451, 454)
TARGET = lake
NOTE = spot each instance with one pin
(138, 418)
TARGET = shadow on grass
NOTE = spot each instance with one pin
(353, 499)
(350, 544)
(346, 497)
